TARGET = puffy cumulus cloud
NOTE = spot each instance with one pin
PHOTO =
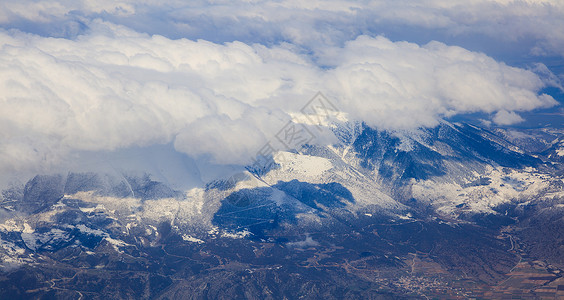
(115, 88)
(120, 89)
(504, 117)
(403, 85)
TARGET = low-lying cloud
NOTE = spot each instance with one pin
(115, 88)
(403, 85)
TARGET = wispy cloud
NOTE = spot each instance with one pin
(532, 24)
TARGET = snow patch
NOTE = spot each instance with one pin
(86, 229)
(117, 244)
(302, 165)
(501, 187)
(408, 216)
(236, 235)
(13, 225)
(307, 243)
(11, 256)
(324, 118)
(36, 240)
(191, 239)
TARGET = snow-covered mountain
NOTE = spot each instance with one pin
(454, 174)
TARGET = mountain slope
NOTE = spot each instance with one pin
(448, 210)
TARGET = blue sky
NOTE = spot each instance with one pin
(100, 76)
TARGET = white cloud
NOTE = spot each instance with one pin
(504, 117)
(115, 88)
(528, 25)
(228, 141)
(402, 85)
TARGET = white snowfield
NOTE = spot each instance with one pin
(452, 198)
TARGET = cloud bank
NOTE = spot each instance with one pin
(501, 26)
(217, 80)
